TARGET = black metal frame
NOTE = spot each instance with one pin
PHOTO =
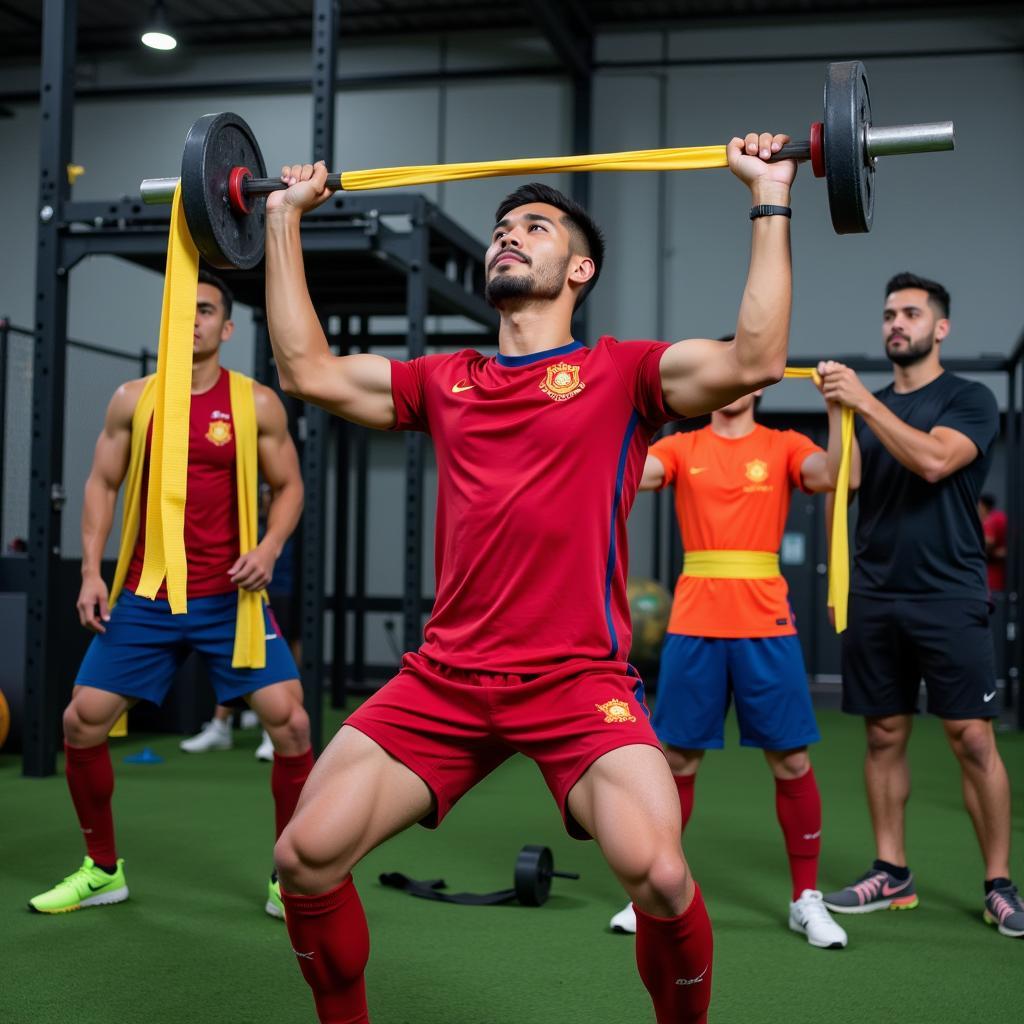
(434, 268)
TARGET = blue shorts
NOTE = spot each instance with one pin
(766, 677)
(145, 644)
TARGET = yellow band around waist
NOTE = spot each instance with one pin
(731, 565)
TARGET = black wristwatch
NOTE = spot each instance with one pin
(766, 210)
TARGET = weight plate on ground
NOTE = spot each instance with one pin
(224, 237)
(849, 171)
(534, 867)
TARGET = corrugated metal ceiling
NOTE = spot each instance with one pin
(112, 25)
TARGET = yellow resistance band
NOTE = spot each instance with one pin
(168, 462)
(731, 565)
(839, 551)
(693, 158)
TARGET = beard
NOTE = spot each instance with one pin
(914, 352)
(506, 287)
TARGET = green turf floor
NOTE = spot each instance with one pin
(193, 943)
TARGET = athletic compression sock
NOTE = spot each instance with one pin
(331, 942)
(901, 874)
(90, 778)
(287, 778)
(798, 806)
(685, 783)
(674, 957)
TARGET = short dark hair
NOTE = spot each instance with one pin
(585, 236)
(937, 295)
(226, 298)
(988, 499)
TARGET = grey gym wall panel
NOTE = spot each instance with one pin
(388, 128)
(625, 301)
(955, 216)
(500, 120)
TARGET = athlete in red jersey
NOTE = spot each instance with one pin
(140, 644)
(540, 450)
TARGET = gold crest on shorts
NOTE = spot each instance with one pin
(562, 382)
(615, 711)
(757, 471)
(219, 433)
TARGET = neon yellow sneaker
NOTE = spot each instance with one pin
(274, 906)
(89, 886)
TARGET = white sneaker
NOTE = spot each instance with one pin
(809, 916)
(215, 735)
(265, 751)
(624, 921)
(249, 719)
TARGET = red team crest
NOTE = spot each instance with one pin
(562, 382)
(219, 433)
(615, 712)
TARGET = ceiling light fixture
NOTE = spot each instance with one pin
(158, 35)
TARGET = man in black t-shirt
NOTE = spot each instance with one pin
(919, 595)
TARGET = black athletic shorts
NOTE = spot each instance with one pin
(891, 644)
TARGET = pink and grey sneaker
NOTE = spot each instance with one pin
(876, 890)
(1004, 909)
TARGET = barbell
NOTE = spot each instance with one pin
(224, 184)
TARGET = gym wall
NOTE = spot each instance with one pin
(678, 244)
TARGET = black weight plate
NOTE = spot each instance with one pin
(533, 875)
(849, 171)
(224, 237)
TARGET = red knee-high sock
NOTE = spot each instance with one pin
(674, 957)
(332, 944)
(90, 778)
(798, 806)
(287, 778)
(684, 783)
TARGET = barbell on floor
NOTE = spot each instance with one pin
(224, 183)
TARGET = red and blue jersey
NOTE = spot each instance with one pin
(539, 458)
(211, 499)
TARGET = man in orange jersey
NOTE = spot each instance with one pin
(731, 635)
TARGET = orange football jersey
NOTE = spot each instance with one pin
(732, 494)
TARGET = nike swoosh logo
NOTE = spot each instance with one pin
(694, 470)
(989, 696)
(96, 888)
(270, 636)
(812, 835)
(459, 386)
(891, 890)
(693, 981)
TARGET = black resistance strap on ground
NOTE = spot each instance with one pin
(535, 867)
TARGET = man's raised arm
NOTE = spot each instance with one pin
(356, 387)
(699, 375)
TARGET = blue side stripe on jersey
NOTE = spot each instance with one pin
(610, 570)
(536, 357)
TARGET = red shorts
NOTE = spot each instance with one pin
(452, 727)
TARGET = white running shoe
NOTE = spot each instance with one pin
(809, 916)
(215, 735)
(624, 921)
(248, 719)
(265, 751)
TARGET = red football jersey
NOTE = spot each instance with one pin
(211, 498)
(538, 460)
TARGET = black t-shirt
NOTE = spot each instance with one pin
(915, 538)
